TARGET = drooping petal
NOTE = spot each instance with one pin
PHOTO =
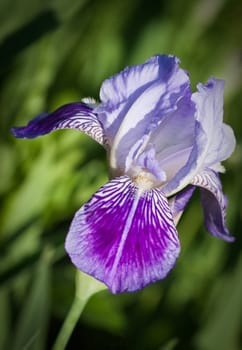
(135, 101)
(70, 116)
(214, 140)
(179, 202)
(214, 204)
(123, 237)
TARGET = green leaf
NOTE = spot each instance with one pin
(222, 326)
(4, 318)
(170, 345)
(30, 332)
(15, 14)
(25, 36)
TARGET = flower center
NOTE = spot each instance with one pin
(143, 181)
(141, 177)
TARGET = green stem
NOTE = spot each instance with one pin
(69, 323)
(86, 286)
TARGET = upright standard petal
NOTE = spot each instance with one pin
(214, 204)
(76, 115)
(124, 237)
(220, 141)
(214, 141)
(175, 137)
(135, 101)
(147, 160)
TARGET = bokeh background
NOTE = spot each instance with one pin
(58, 51)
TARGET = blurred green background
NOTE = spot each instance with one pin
(58, 51)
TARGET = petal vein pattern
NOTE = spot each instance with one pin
(124, 237)
(214, 204)
(70, 116)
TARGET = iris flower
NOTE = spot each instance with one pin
(162, 142)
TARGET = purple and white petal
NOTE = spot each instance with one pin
(124, 237)
(147, 161)
(135, 101)
(214, 204)
(179, 202)
(185, 174)
(175, 137)
(220, 137)
(214, 140)
(76, 115)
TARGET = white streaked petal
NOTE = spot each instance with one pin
(70, 116)
(124, 237)
(214, 204)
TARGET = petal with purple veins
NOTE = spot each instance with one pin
(124, 237)
(214, 204)
(70, 116)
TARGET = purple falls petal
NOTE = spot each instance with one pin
(123, 237)
(76, 115)
(214, 204)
